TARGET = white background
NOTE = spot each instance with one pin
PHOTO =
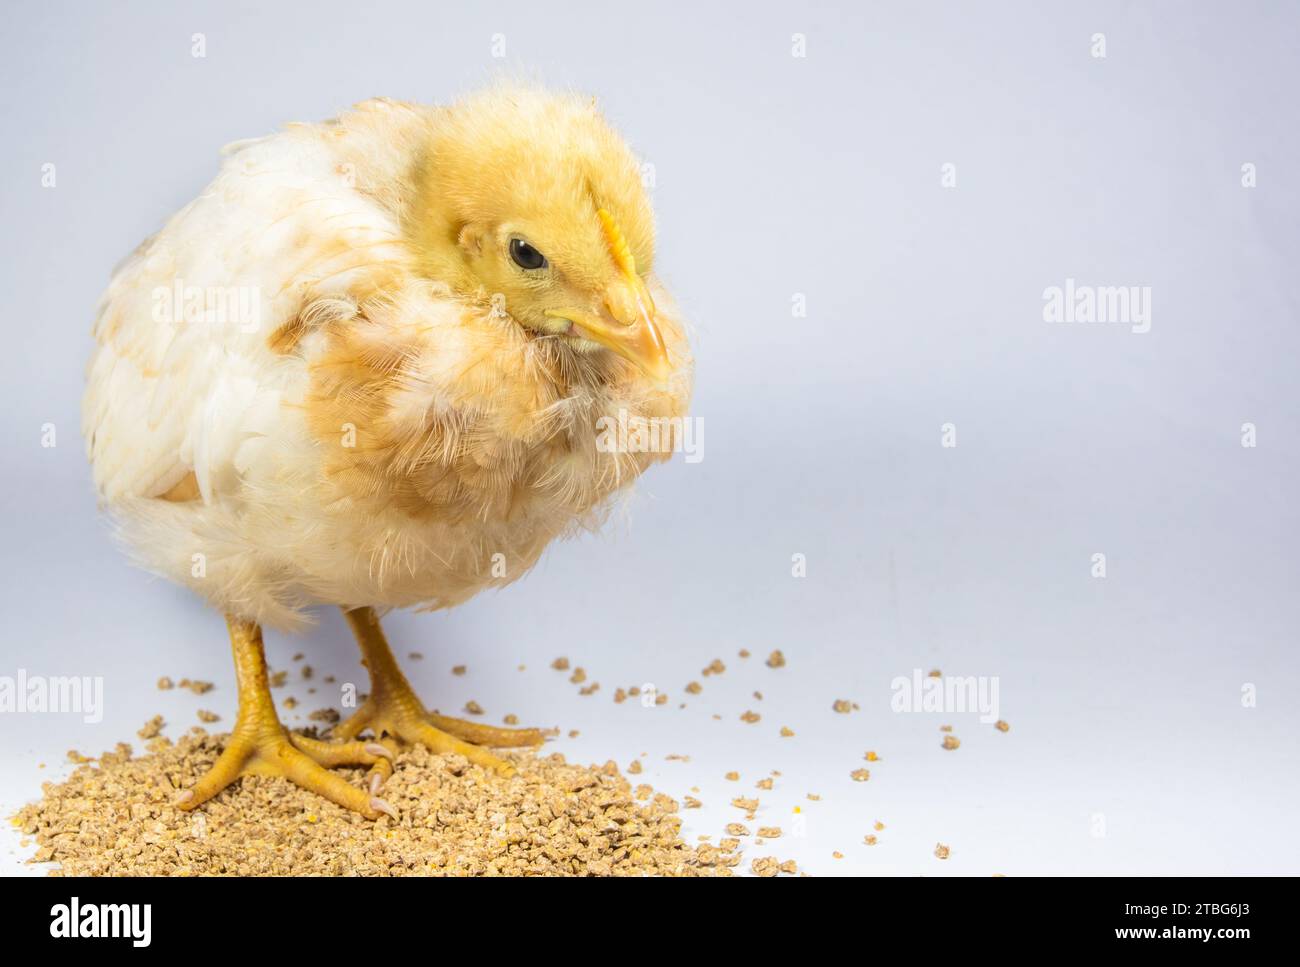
(778, 175)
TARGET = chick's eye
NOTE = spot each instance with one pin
(525, 256)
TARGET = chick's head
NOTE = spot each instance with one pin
(531, 200)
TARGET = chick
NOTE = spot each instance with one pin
(368, 366)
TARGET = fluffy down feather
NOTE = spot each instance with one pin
(362, 425)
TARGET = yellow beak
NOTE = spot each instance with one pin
(629, 329)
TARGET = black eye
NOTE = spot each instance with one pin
(525, 256)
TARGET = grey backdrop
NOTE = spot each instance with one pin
(1130, 748)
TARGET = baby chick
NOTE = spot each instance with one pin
(369, 366)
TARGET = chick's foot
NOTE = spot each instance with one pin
(260, 746)
(395, 714)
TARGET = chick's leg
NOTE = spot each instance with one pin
(394, 712)
(260, 746)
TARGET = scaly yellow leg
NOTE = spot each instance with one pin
(394, 712)
(260, 746)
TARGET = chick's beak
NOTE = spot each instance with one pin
(627, 327)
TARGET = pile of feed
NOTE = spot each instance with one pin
(115, 817)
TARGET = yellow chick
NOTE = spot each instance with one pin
(374, 364)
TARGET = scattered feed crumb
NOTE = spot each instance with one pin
(814, 797)
(165, 684)
(871, 757)
(860, 775)
(690, 802)
(736, 829)
(694, 688)
(935, 673)
(77, 757)
(308, 671)
(878, 825)
(415, 655)
(510, 719)
(276, 679)
(197, 687)
(837, 855)
(590, 689)
(743, 653)
(207, 716)
(945, 728)
(787, 732)
(843, 706)
(1001, 726)
(771, 866)
(716, 667)
(951, 742)
(661, 699)
(749, 805)
(579, 676)
(620, 695)
(776, 659)
(324, 715)
(574, 733)
(732, 776)
(560, 664)
(769, 832)
(750, 717)
(763, 784)
(151, 729)
(290, 702)
(635, 767)
(458, 669)
(941, 851)
(473, 708)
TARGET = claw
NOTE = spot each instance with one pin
(381, 806)
(376, 783)
(374, 748)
